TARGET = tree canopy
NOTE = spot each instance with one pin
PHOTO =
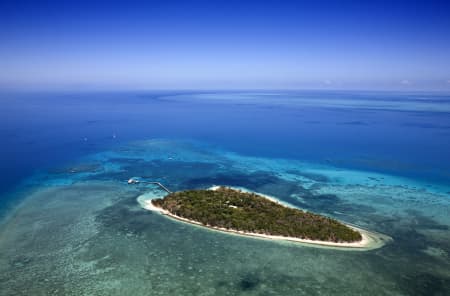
(233, 209)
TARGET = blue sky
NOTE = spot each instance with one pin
(379, 45)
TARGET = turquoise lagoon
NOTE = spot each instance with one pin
(73, 226)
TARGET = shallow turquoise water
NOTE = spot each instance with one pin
(81, 230)
(71, 225)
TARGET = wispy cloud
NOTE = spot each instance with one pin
(405, 82)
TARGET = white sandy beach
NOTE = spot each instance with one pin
(369, 241)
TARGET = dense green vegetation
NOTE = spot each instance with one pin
(233, 209)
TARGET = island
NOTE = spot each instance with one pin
(235, 210)
(239, 211)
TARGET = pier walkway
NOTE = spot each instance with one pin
(134, 181)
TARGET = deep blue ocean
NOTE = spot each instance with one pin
(379, 160)
(406, 134)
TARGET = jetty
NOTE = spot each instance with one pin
(136, 181)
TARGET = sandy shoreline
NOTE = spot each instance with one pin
(369, 241)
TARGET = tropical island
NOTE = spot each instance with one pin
(248, 213)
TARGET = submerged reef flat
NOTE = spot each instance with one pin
(82, 233)
(246, 213)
